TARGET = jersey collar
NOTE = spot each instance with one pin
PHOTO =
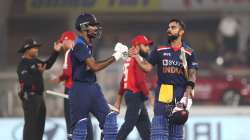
(175, 49)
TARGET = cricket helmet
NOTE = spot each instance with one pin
(85, 20)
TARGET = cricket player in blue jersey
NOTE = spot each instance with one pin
(86, 95)
(176, 69)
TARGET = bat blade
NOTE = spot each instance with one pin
(58, 94)
(113, 108)
(62, 95)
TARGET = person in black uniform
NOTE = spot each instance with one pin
(30, 70)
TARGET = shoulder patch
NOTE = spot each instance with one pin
(189, 52)
(188, 49)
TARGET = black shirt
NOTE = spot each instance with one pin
(30, 78)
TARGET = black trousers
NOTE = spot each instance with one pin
(136, 115)
(34, 117)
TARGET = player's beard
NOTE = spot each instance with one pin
(143, 54)
(172, 38)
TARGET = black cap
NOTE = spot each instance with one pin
(85, 18)
(29, 43)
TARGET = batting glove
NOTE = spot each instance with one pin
(121, 51)
(118, 46)
(117, 55)
(187, 102)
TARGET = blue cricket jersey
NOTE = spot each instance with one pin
(170, 69)
(80, 71)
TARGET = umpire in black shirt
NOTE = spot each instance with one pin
(30, 74)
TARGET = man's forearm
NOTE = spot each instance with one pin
(191, 82)
(103, 64)
(143, 64)
(118, 98)
(192, 75)
(52, 59)
(118, 101)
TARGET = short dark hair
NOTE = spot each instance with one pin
(180, 22)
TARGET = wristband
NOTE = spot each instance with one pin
(191, 84)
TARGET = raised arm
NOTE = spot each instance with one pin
(51, 60)
(120, 51)
(143, 64)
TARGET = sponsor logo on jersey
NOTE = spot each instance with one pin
(172, 66)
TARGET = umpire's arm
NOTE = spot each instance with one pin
(51, 60)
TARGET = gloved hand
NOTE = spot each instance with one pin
(117, 55)
(184, 103)
(187, 102)
(121, 51)
(120, 47)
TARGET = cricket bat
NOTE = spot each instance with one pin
(62, 95)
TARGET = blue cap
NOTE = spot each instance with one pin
(85, 18)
